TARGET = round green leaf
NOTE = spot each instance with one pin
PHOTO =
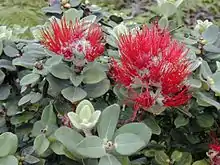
(152, 124)
(58, 148)
(8, 144)
(163, 22)
(73, 94)
(106, 126)
(35, 97)
(162, 158)
(31, 159)
(10, 51)
(186, 159)
(140, 129)
(73, 14)
(201, 162)
(94, 75)
(54, 60)
(25, 99)
(68, 136)
(128, 143)
(21, 118)
(211, 34)
(29, 79)
(167, 9)
(48, 115)
(181, 121)
(60, 71)
(109, 160)
(91, 146)
(2, 76)
(40, 127)
(176, 155)
(205, 120)
(41, 144)
(9, 160)
(7, 65)
(97, 90)
(75, 3)
(5, 92)
(76, 79)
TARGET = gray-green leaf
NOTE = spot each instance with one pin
(128, 143)
(106, 126)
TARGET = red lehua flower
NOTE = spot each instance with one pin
(214, 150)
(66, 38)
(155, 66)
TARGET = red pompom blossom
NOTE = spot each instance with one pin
(153, 68)
(214, 150)
(68, 39)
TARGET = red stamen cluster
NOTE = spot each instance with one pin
(152, 68)
(214, 150)
(65, 38)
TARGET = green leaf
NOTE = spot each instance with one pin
(68, 136)
(11, 51)
(12, 107)
(181, 121)
(152, 124)
(140, 129)
(8, 144)
(162, 158)
(73, 14)
(109, 160)
(60, 71)
(76, 79)
(176, 155)
(48, 115)
(185, 160)
(91, 146)
(29, 79)
(25, 99)
(207, 98)
(41, 144)
(205, 120)
(201, 162)
(9, 160)
(1, 47)
(73, 94)
(89, 19)
(58, 148)
(21, 118)
(97, 90)
(75, 3)
(167, 9)
(31, 159)
(94, 75)
(163, 22)
(40, 127)
(211, 34)
(106, 126)
(55, 85)
(216, 82)
(35, 97)
(54, 60)
(2, 76)
(52, 9)
(128, 143)
(7, 65)
(5, 92)
(205, 70)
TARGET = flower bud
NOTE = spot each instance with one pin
(85, 117)
(202, 25)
